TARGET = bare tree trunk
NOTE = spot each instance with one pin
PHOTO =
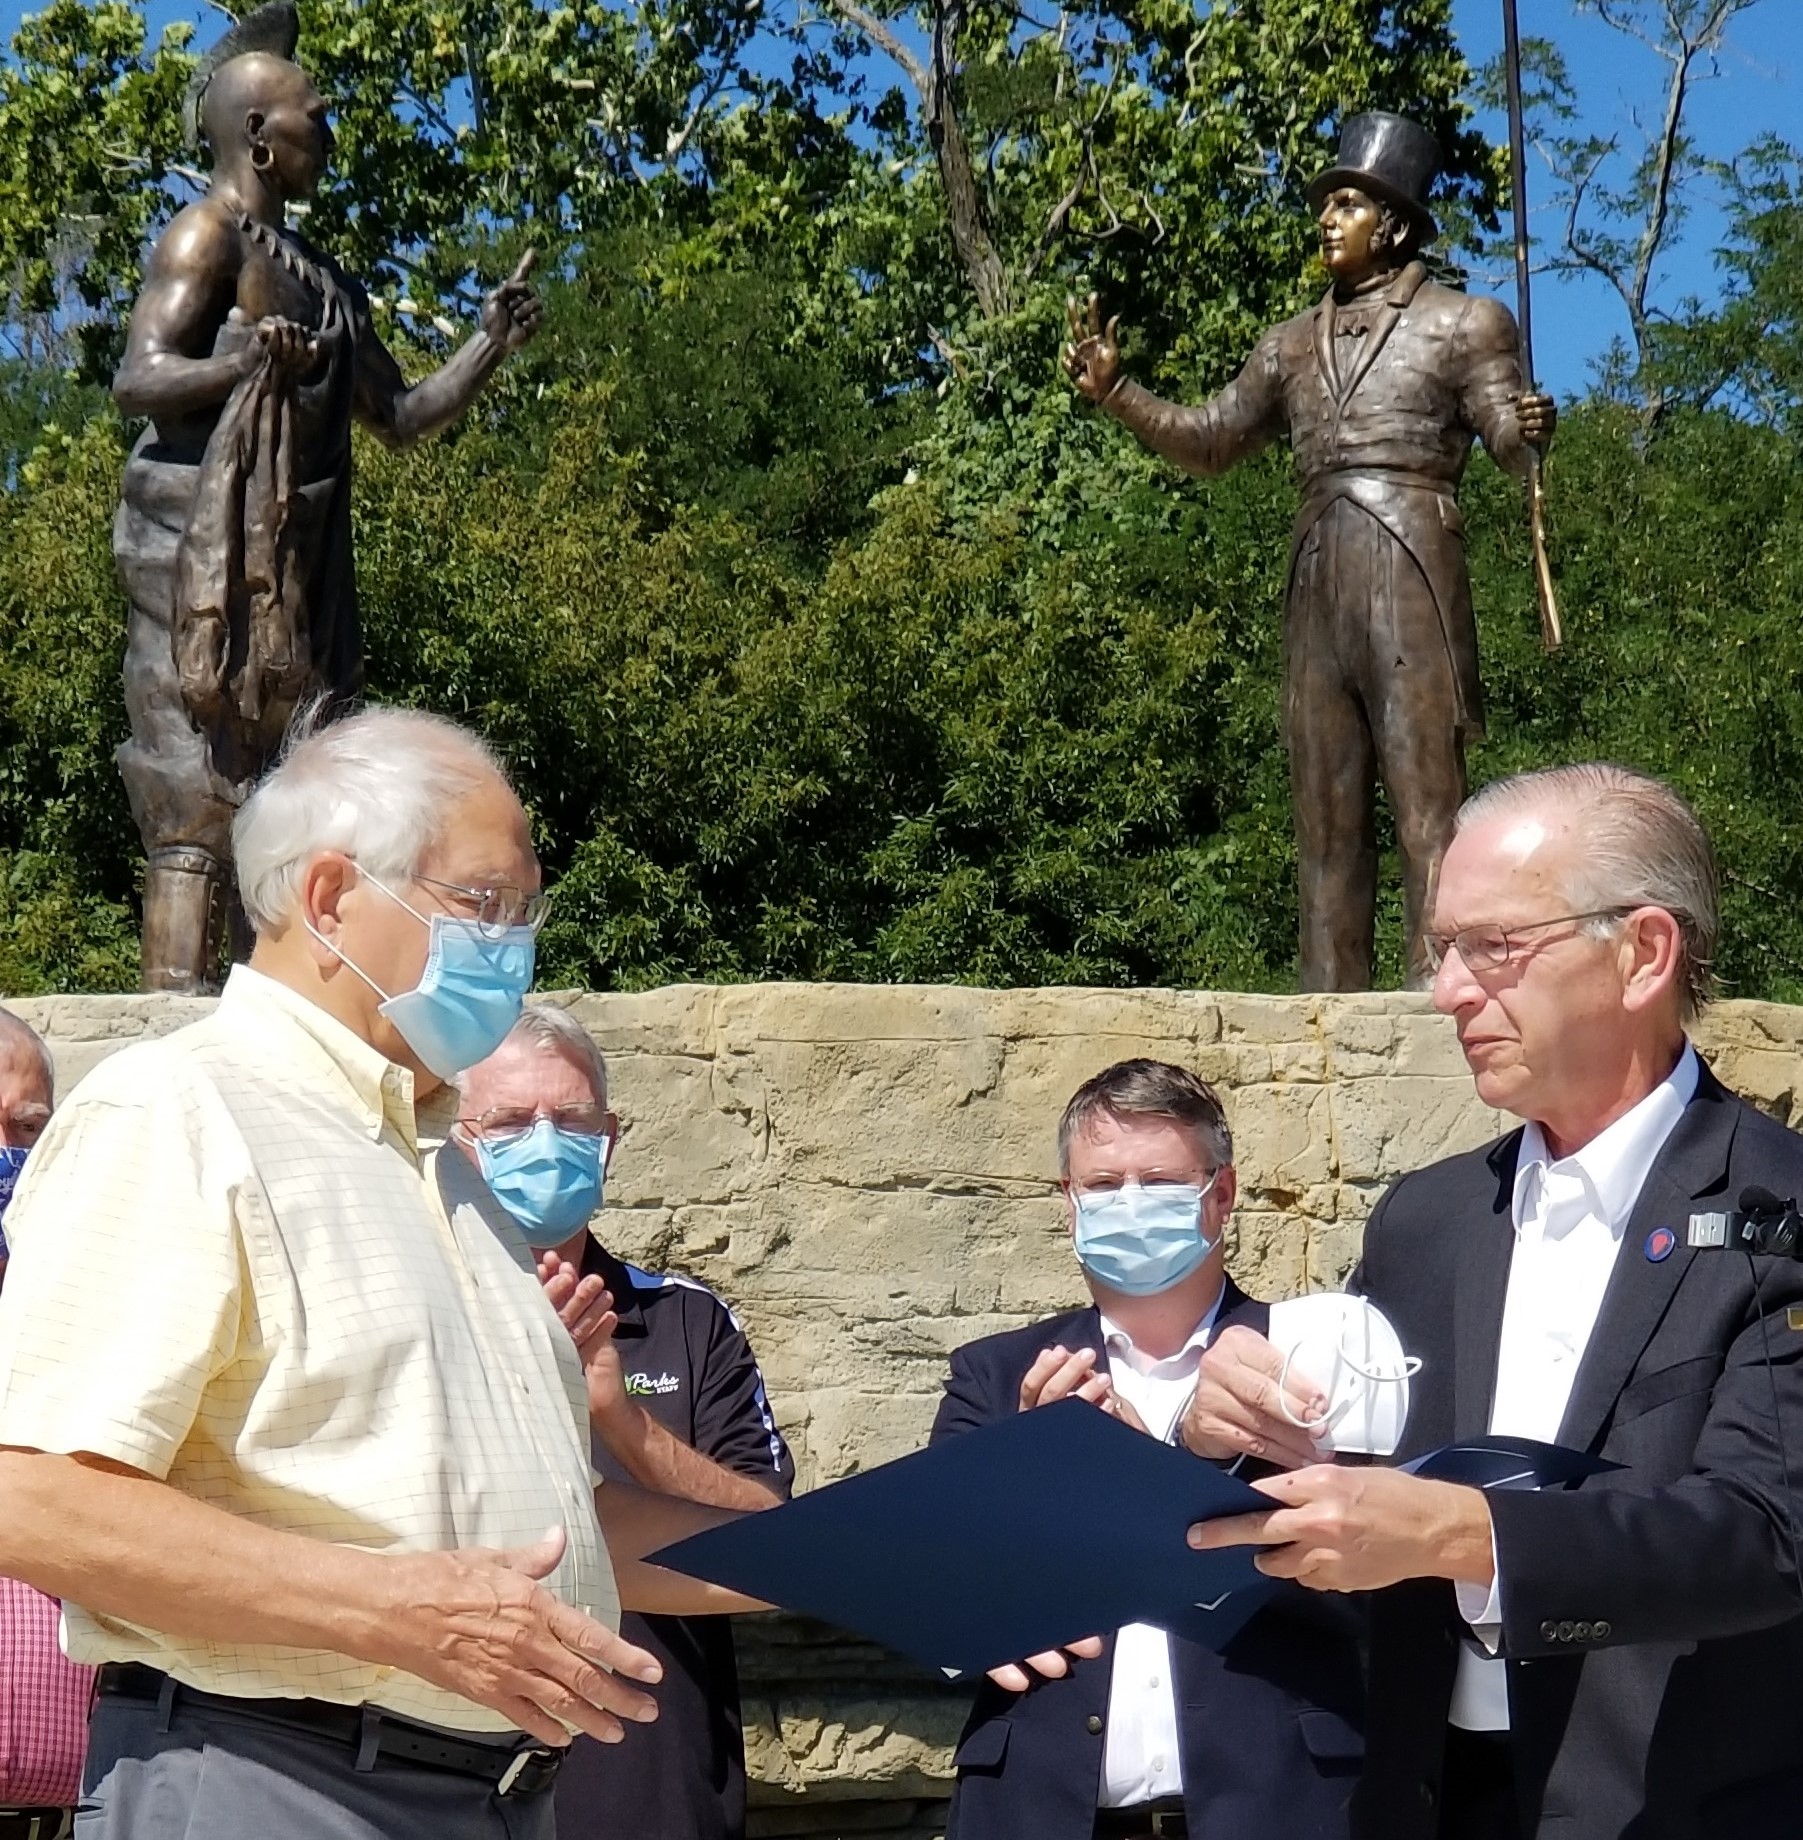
(934, 84)
(963, 199)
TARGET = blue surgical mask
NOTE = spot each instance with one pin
(12, 1164)
(469, 995)
(548, 1179)
(1140, 1241)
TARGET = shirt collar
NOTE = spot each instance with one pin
(1118, 1341)
(379, 1089)
(1612, 1167)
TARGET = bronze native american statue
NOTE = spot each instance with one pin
(1381, 389)
(251, 353)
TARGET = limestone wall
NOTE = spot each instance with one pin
(866, 1173)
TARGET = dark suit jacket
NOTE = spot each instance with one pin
(1269, 1731)
(1651, 1627)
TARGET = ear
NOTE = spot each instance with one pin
(1225, 1193)
(325, 880)
(254, 122)
(1070, 1204)
(1651, 957)
(611, 1131)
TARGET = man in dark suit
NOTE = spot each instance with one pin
(1146, 1734)
(1622, 1659)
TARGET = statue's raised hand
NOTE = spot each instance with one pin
(514, 312)
(1092, 359)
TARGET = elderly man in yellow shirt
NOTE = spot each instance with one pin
(285, 1418)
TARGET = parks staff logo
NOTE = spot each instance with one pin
(642, 1386)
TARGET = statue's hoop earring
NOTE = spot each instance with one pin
(261, 156)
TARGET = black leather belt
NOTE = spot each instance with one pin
(513, 1766)
(36, 1823)
(1159, 1820)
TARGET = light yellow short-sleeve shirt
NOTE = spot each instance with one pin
(242, 1262)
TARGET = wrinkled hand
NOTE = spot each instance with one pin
(286, 345)
(1092, 360)
(1054, 1664)
(1235, 1410)
(1536, 414)
(479, 1623)
(585, 1307)
(1361, 1529)
(514, 312)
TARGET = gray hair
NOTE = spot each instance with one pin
(16, 1028)
(1148, 1089)
(375, 785)
(556, 1031)
(1643, 847)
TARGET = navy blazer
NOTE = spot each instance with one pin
(1650, 1616)
(1269, 1731)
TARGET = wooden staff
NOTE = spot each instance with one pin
(1551, 634)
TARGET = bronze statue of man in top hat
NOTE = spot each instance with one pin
(1381, 389)
(251, 353)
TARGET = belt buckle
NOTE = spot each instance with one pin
(1160, 1830)
(516, 1769)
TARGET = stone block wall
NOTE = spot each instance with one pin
(867, 1174)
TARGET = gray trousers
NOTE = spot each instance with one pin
(214, 1777)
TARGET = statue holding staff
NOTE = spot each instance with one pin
(251, 353)
(1381, 389)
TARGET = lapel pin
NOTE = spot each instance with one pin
(1661, 1243)
(1793, 1316)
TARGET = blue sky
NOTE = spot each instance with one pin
(1758, 90)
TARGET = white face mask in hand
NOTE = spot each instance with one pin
(1346, 1348)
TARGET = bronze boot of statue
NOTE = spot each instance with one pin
(184, 893)
(250, 353)
(1379, 389)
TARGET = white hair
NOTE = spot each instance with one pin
(20, 1030)
(376, 785)
(1643, 847)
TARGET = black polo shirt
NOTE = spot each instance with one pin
(687, 1362)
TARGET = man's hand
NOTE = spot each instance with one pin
(1361, 1529)
(1536, 414)
(1054, 1664)
(585, 1307)
(514, 312)
(1057, 1374)
(479, 1623)
(286, 345)
(1236, 1412)
(1092, 360)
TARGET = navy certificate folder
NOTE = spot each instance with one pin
(1021, 1536)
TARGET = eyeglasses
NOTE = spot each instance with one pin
(1484, 948)
(498, 907)
(1112, 1185)
(501, 1122)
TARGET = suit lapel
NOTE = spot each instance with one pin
(1383, 323)
(1324, 344)
(1479, 1286)
(1693, 1163)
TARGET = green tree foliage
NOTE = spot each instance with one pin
(827, 633)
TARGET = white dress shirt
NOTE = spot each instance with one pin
(1569, 1218)
(1140, 1760)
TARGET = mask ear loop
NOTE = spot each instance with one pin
(1410, 1367)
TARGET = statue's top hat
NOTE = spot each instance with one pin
(1392, 159)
